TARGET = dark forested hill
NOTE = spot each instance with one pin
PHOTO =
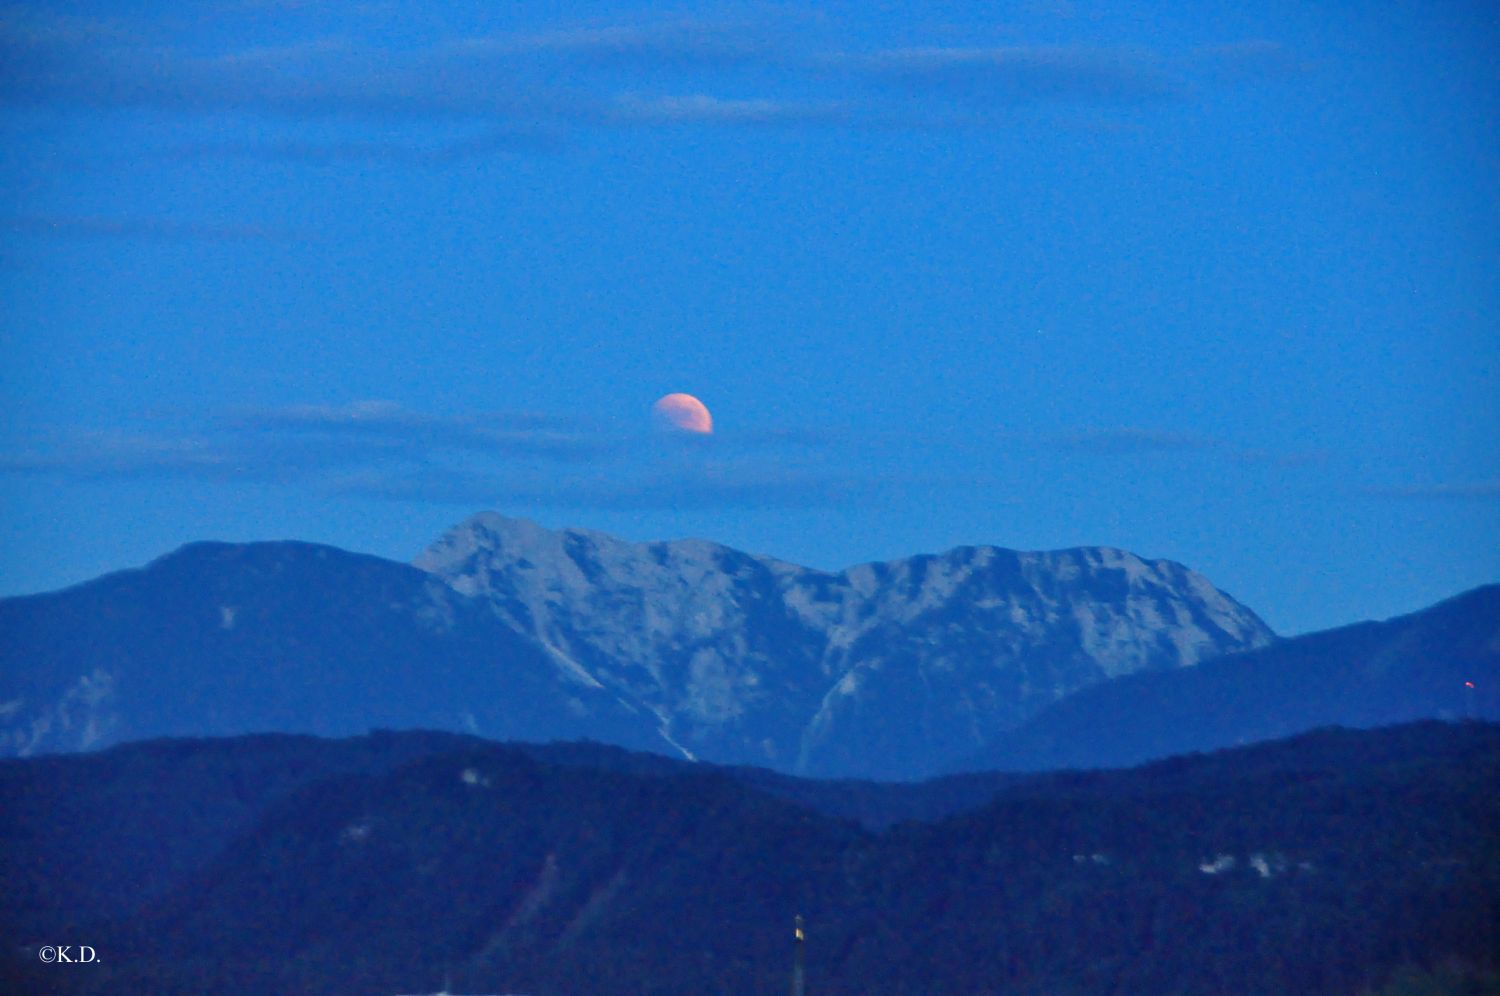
(1330, 863)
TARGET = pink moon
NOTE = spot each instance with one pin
(683, 413)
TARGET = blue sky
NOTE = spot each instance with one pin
(1207, 283)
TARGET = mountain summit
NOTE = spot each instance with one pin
(883, 669)
(512, 631)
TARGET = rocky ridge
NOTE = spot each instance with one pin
(884, 668)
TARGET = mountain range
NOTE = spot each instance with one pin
(881, 669)
(512, 631)
(976, 658)
(647, 827)
(1443, 661)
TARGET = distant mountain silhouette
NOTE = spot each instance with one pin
(221, 638)
(1366, 675)
(510, 630)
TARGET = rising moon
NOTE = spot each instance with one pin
(682, 413)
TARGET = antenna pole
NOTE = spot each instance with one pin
(799, 984)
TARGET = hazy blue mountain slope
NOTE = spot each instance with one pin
(223, 639)
(510, 630)
(1366, 675)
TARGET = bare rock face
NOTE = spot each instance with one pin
(886, 670)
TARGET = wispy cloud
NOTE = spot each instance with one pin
(316, 78)
(702, 108)
(521, 91)
(393, 429)
(677, 41)
(1143, 440)
(380, 449)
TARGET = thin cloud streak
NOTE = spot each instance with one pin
(380, 449)
(386, 413)
(705, 109)
(530, 91)
(498, 435)
(383, 450)
(682, 42)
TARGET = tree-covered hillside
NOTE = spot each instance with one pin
(1338, 862)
